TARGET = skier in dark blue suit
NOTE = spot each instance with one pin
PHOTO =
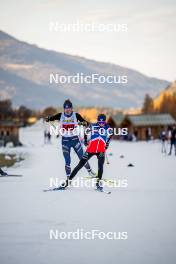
(69, 120)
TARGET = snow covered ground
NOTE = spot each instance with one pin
(145, 209)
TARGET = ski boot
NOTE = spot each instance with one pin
(62, 187)
(99, 187)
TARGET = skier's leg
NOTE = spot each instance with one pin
(79, 151)
(101, 160)
(66, 153)
(81, 163)
(170, 152)
(165, 149)
(163, 146)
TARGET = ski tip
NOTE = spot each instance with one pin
(103, 191)
(107, 192)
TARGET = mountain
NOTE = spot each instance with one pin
(25, 71)
(170, 90)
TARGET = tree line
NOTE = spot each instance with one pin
(22, 113)
(167, 105)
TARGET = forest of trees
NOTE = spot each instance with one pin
(167, 105)
(22, 113)
(7, 112)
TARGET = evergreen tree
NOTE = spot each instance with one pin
(148, 107)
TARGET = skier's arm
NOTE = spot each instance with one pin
(81, 120)
(86, 133)
(53, 118)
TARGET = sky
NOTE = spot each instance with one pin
(147, 46)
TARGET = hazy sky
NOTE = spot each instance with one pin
(148, 46)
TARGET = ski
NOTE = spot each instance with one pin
(57, 189)
(60, 188)
(105, 180)
(103, 191)
(54, 189)
(11, 175)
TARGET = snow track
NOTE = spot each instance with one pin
(145, 209)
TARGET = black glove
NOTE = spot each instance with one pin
(47, 119)
(84, 123)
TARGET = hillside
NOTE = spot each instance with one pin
(25, 71)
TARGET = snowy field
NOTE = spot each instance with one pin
(145, 209)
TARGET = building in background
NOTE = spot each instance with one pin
(143, 126)
(9, 132)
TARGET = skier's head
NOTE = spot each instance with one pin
(101, 119)
(68, 107)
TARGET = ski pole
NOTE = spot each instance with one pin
(52, 124)
(107, 160)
